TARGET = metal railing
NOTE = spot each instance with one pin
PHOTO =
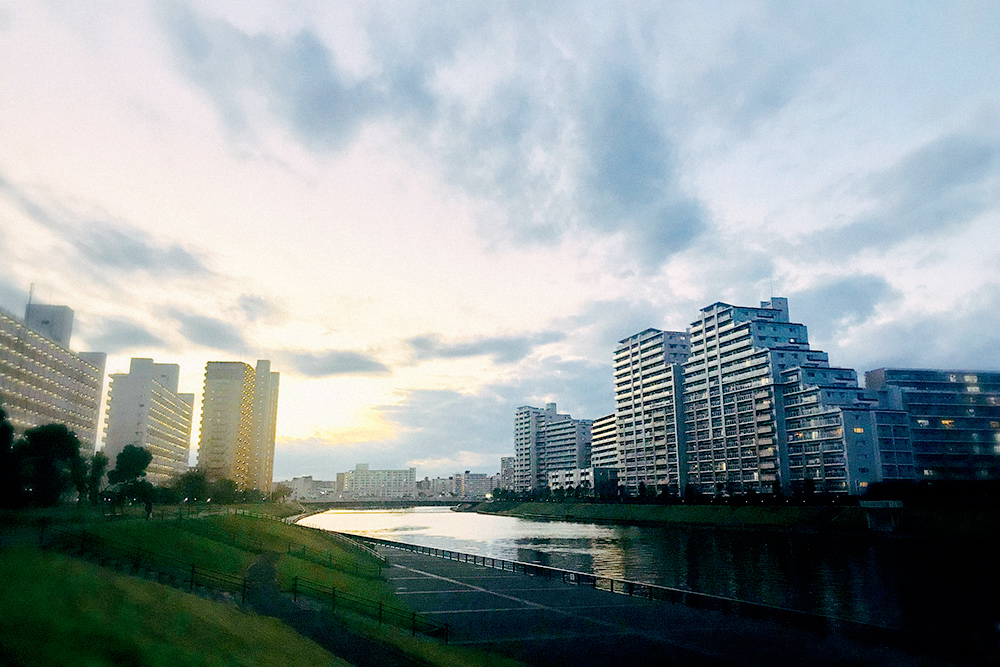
(793, 618)
(186, 574)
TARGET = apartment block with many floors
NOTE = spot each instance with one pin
(954, 419)
(145, 409)
(42, 381)
(544, 441)
(648, 380)
(734, 415)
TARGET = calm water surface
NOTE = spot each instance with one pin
(912, 584)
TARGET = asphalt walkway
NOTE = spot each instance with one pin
(551, 623)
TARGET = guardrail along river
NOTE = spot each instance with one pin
(917, 585)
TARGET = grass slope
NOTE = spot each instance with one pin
(58, 611)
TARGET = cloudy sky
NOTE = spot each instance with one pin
(427, 214)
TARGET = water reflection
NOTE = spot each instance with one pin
(896, 583)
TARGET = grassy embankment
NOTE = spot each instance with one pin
(969, 522)
(71, 601)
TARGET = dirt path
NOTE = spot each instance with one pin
(265, 598)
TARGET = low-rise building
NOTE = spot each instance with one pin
(365, 483)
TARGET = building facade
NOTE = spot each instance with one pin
(954, 419)
(649, 410)
(734, 416)
(43, 382)
(604, 443)
(544, 441)
(238, 424)
(365, 483)
(507, 473)
(145, 409)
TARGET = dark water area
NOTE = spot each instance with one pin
(934, 587)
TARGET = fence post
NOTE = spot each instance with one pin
(446, 627)
(192, 578)
(333, 599)
(244, 590)
(295, 589)
(380, 612)
(413, 629)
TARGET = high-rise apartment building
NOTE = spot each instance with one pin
(734, 416)
(545, 441)
(507, 473)
(604, 443)
(145, 409)
(649, 411)
(238, 423)
(837, 437)
(42, 381)
(954, 419)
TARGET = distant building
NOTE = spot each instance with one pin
(836, 436)
(42, 381)
(604, 443)
(474, 486)
(365, 483)
(953, 420)
(592, 481)
(649, 409)
(544, 441)
(507, 473)
(239, 407)
(145, 409)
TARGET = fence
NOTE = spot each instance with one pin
(803, 620)
(185, 574)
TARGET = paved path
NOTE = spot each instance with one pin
(551, 623)
(264, 597)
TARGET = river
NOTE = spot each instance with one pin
(910, 584)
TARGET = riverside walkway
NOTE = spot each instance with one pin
(548, 622)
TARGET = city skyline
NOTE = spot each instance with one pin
(428, 218)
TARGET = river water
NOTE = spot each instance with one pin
(911, 584)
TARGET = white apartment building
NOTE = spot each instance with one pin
(507, 472)
(734, 414)
(145, 409)
(649, 409)
(604, 443)
(238, 423)
(42, 381)
(365, 483)
(544, 441)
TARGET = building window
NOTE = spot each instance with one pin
(858, 429)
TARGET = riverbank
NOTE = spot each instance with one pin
(943, 522)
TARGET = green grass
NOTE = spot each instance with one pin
(166, 538)
(58, 611)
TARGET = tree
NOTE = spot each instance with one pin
(281, 491)
(130, 465)
(192, 486)
(98, 465)
(49, 462)
(8, 471)
(224, 491)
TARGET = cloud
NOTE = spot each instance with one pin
(256, 308)
(502, 349)
(108, 244)
(210, 332)
(840, 302)
(937, 188)
(118, 335)
(330, 363)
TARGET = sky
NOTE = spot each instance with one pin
(427, 214)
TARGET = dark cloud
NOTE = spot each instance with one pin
(964, 337)
(839, 303)
(502, 349)
(631, 172)
(256, 308)
(118, 335)
(335, 362)
(936, 189)
(616, 172)
(114, 245)
(210, 332)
